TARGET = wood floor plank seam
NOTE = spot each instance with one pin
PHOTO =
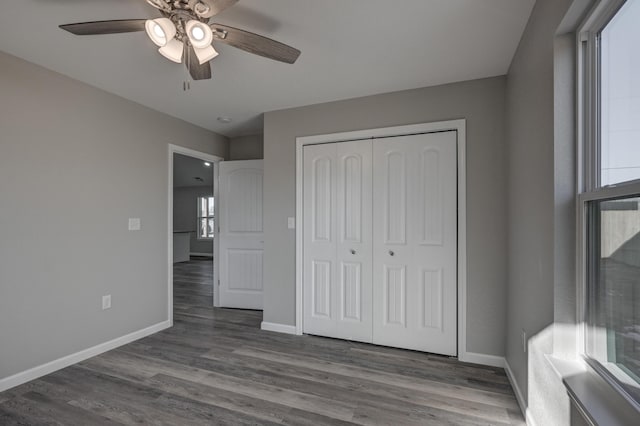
(463, 408)
(485, 396)
(395, 394)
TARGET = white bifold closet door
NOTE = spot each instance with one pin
(415, 242)
(337, 240)
(380, 241)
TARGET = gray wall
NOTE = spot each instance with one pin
(530, 100)
(541, 194)
(481, 102)
(75, 164)
(246, 147)
(185, 215)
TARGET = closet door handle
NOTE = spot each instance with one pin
(352, 251)
(391, 253)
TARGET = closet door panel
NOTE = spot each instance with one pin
(337, 240)
(355, 245)
(414, 262)
(320, 232)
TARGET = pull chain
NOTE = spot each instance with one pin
(186, 85)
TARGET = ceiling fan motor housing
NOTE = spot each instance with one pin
(160, 4)
(203, 8)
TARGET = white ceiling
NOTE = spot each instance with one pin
(350, 48)
(186, 170)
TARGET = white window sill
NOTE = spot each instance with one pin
(598, 402)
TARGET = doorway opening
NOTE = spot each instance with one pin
(192, 231)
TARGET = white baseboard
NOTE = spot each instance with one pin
(482, 359)
(202, 254)
(519, 396)
(58, 364)
(278, 328)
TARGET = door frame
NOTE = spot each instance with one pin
(214, 160)
(458, 126)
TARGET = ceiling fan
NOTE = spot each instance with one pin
(184, 34)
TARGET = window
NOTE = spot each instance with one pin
(620, 96)
(613, 338)
(206, 221)
(609, 198)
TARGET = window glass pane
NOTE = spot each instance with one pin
(202, 231)
(620, 97)
(211, 206)
(614, 257)
(203, 207)
(210, 228)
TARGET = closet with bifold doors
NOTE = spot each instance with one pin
(380, 241)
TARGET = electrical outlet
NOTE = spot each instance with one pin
(106, 302)
(524, 341)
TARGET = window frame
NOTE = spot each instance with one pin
(199, 217)
(588, 170)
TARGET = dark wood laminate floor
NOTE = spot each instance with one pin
(215, 366)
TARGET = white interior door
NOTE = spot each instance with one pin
(415, 242)
(337, 257)
(241, 234)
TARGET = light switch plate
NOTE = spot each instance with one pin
(134, 224)
(106, 302)
(291, 222)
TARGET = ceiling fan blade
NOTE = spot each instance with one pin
(197, 71)
(254, 43)
(105, 27)
(214, 6)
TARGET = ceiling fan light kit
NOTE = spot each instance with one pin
(205, 54)
(161, 31)
(185, 35)
(173, 51)
(199, 33)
